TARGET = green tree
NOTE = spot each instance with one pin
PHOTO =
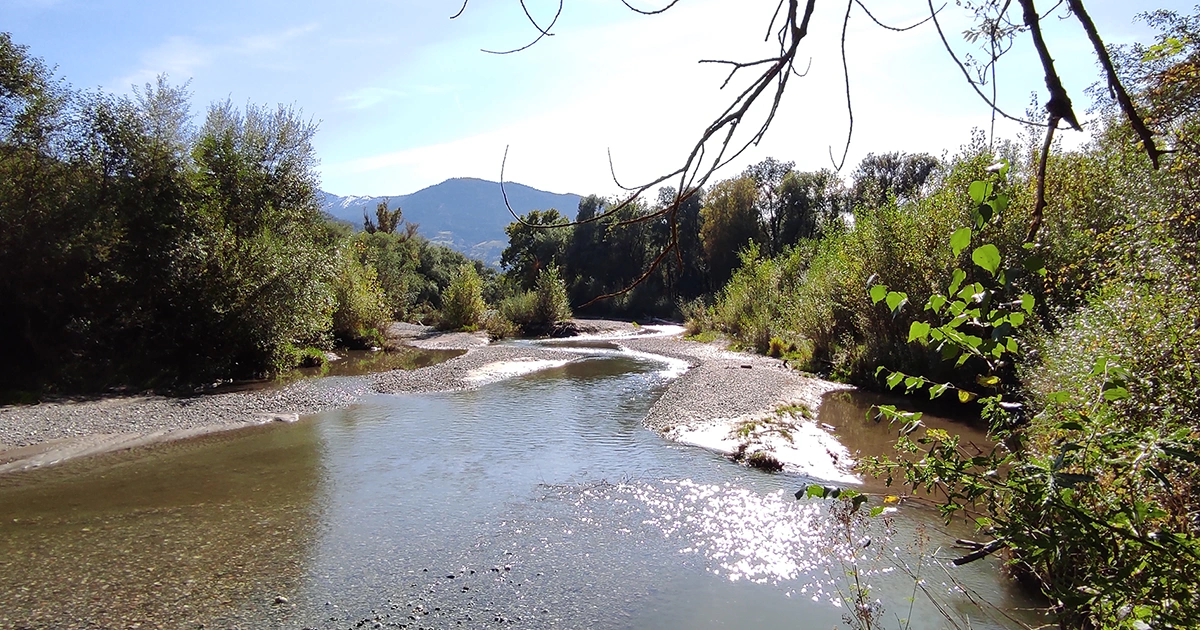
(807, 202)
(729, 221)
(769, 175)
(891, 174)
(463, 305)
(533, 247)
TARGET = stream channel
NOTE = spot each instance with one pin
(531, 502)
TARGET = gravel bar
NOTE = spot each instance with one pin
(720, 384)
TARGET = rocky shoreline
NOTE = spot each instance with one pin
(719, 384)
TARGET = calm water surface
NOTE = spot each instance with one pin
(535, 502)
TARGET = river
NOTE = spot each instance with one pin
(536, 501)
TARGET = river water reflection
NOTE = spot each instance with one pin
(533, 502)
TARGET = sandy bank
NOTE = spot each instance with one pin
(717, 388)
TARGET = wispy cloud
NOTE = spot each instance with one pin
(367, 97)
(182, 57)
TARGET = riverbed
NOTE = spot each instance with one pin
(534, 498)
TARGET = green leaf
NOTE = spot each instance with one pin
(856, 502)
(816, 492)
(1071, 426)
(960, 240)
(938, 390)
(956, 280)
(1000, 203)
(878, 292)
(1113, 394)
(1035, 264)
(979, 190)
(965, 396)
(935, 303)
(912, 382)
(1016, 319)
(895, 300)
(918, 330)
(894, 379)
(1027, 303)
(877, 510)
(1070, 480)
(988, 257)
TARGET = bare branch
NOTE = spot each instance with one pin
(650, 12)
(460, 10)
(1059, 104)
(837, 166)
(1114, 83)
(542, 32)
(1035, 221)
(990, 102)
(899, 29)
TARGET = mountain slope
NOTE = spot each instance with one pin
(466, 214)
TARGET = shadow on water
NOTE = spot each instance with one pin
(179, 535)
(351, 363)
(533, 502)
(850, 414)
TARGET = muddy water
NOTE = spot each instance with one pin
(533, 502)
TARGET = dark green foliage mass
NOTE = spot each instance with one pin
(141, 251)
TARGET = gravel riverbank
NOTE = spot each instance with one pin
(719, 384)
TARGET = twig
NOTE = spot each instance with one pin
(542, 32)
(651, 12)
(898, 29)
(1035, 221)
(990, 102)
(837, 166)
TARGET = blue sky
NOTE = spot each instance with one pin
(406, 99)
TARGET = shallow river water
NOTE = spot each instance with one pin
(532, 502)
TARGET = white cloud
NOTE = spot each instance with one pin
(182, 57)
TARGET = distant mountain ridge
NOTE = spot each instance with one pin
(464, 213)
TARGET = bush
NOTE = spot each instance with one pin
(361, 312)
(462, 306)
(498, 326)
(552, 305)
(536, 312)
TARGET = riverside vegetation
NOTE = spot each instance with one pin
(1080, 347)
(139, 251)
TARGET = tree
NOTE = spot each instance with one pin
(768, 175)
(729, 221)
(532, 247)
(386, 221)
(807, 202)
(879, 177)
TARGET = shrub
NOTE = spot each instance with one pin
(361, 311)
(552, 303)
(462, 306)
(498, 326)
(520, 309)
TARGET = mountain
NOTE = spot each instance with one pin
(464, 213)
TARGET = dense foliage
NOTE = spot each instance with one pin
(1082, 348)
(141, 251)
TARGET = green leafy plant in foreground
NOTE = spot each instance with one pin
(1096, 512)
